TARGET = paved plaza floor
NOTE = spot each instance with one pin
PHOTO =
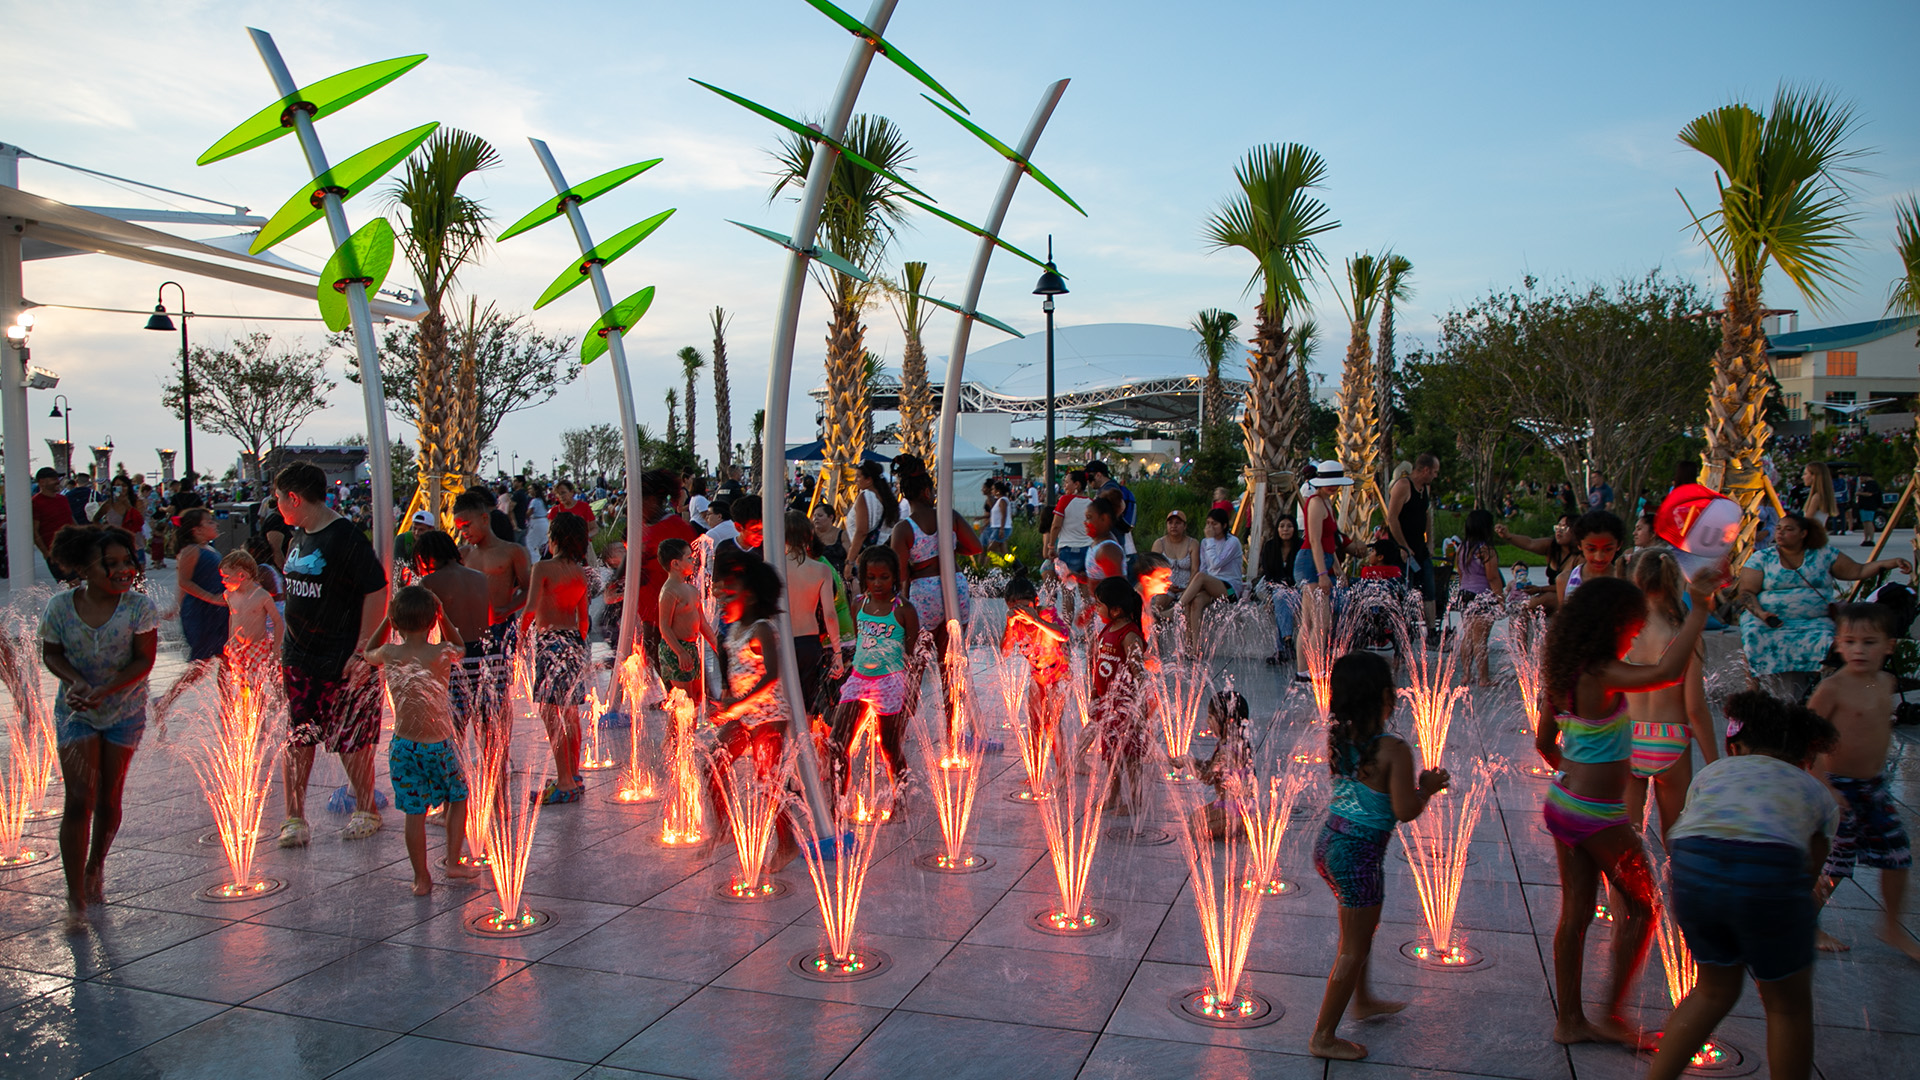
(645, 971)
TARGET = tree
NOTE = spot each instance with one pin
(406, 466)
(759, 459)
(1451, 408)
(690, 364)
(594, 450)
(441, 230)
(514, 366)
(1359, 414)
(1782, 201)
(1398, 287)
(1215, 329)
(862, 211)
(1274, 218)
(1903, 296)
(576, 448)
(252, 392)
(722, 392)
(673, 416)
(916, 394)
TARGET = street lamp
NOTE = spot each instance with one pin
(65, 416)
(1051, 285)
(160, 321)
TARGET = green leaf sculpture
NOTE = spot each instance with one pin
(1009, 153)
(861, 30)
(621, 318)
(964, 313)
(365, 258)
(328, 96)
(580, 194)
(807, 132)
(975, 230)
(602, 253)
(829, 258)
(347, 179)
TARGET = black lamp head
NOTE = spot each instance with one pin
(1051, 283)
(160, 320)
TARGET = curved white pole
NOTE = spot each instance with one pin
(956, 363)
(629, 428)
(786, 329)
(372, 390)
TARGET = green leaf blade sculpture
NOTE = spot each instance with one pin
(365, 257)
(582, 194)
(1010, 154)
(807, 132)
(977, 231)
(347, 179)
(602, 253)
(965, 314)
(621, 319)
(326, 97)
(828, 258)
(887, 49)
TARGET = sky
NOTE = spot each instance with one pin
(1484, 141)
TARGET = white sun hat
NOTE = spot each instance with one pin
(1331, 474)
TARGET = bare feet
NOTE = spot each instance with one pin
(1567, 1032)
(1896, 935)
(1826, 942)
(1335, 1048)
(422, 886)
(1613, 1029)
(76, 921)
(458, 868)
(1369, 1007)
(96, 886)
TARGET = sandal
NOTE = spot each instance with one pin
(362, 824)
(553, 793)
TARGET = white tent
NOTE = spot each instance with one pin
(971, 468)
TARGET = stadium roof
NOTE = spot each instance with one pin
(1838, 337)
(1136, 374)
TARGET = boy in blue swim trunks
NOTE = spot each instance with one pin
(420, 757)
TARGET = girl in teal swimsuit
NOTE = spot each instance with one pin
(1586, 734)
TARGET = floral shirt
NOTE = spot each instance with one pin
(100, 652)
(1758, 800)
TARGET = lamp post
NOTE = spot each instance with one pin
(1051, 285)
(65, 416)
(13, 385)
(160, 321)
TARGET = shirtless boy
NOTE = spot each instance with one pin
(253, 622)
(682, 623)
(506, 567)
(463, 599)
(1858, 701)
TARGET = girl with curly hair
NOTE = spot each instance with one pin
(1586, 734)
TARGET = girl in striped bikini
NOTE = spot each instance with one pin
(1665, 722)
(1585, 733)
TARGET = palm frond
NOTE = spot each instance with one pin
(1366, 283)
(1276, 219)
(1215, 329)
(691, 362)
(1903, 298)
(443, 229)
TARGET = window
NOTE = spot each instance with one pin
(1793, 407)
(1843, 362)
(1786, 367)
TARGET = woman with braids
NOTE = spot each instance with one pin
(99, 641)
(1374, 789)
(1586, 734)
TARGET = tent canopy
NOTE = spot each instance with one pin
(817, 451)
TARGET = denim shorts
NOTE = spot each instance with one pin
(1744, 905)
(1304, 573)
(126, 733)
(991, 536)
(1073, 561)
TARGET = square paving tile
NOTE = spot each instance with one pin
(1125, 1057)
(569, 920)
(1024, 986)
(1007, 926)
(130, 871)
(115, 935)
(431, 1059)
(908, 1044)
(234, 963)
(243, 1044)
(721, 1034)
(85, 1025)
(392, 987)
(659, 944)
(765, 969)
(559, 1012)
(369, 906)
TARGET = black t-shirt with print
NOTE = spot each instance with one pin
(329, 573)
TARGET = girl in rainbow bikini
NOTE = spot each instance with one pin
(1586, 734)
(1665, 722)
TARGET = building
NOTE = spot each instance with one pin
(1822, 372)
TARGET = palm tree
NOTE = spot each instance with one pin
(1215, 329)
(916, 396)
(1903, 298)
(673, 417)
(1782, 200)
(1296, 412)
(443, 230)
(722, 391)
(1366, 280)
(1274, 218)
(759, 429)
(863, 209)
(690, 364)
(1399, 286)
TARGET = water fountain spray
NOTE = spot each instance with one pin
(1182, 691)
(593, 756)
(235, 773)
(749, 790)
(1266, 809)
(512, 812)
(1676, 962)
(683, 824)
(1228, 914)
(1430, 692)
(953, 768)
(637, 782)
(1070, 820)
(1436, 847)
(839, 849)
(1325, 636)
(34, 750)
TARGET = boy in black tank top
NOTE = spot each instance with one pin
(1409, 519)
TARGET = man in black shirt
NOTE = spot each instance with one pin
(336, 595)
(1410, 520)
(185, 496)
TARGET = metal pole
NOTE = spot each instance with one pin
(956, 362)
(786, 329)
(13, 412)
(186, 387)
(629, 427)
(1053, 495)
(379, 451)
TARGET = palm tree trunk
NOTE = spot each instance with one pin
(1736, 429)
(1213, 404)
(1273, 420)
(1383, 389)
(722, 392)
(916, 400)
(848, 410)
(691, 384)
(1355, 438)
(436, 403)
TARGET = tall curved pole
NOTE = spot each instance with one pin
(786, 329)
(956, 364)
(379, 451)
(623, 389)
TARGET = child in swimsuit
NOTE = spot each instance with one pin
(1665, 722)
(885, 629)
(1042, 638)
(1599, 537)
(682, 623)
(1374, 789)
(1583, 678)
(1120, 711)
